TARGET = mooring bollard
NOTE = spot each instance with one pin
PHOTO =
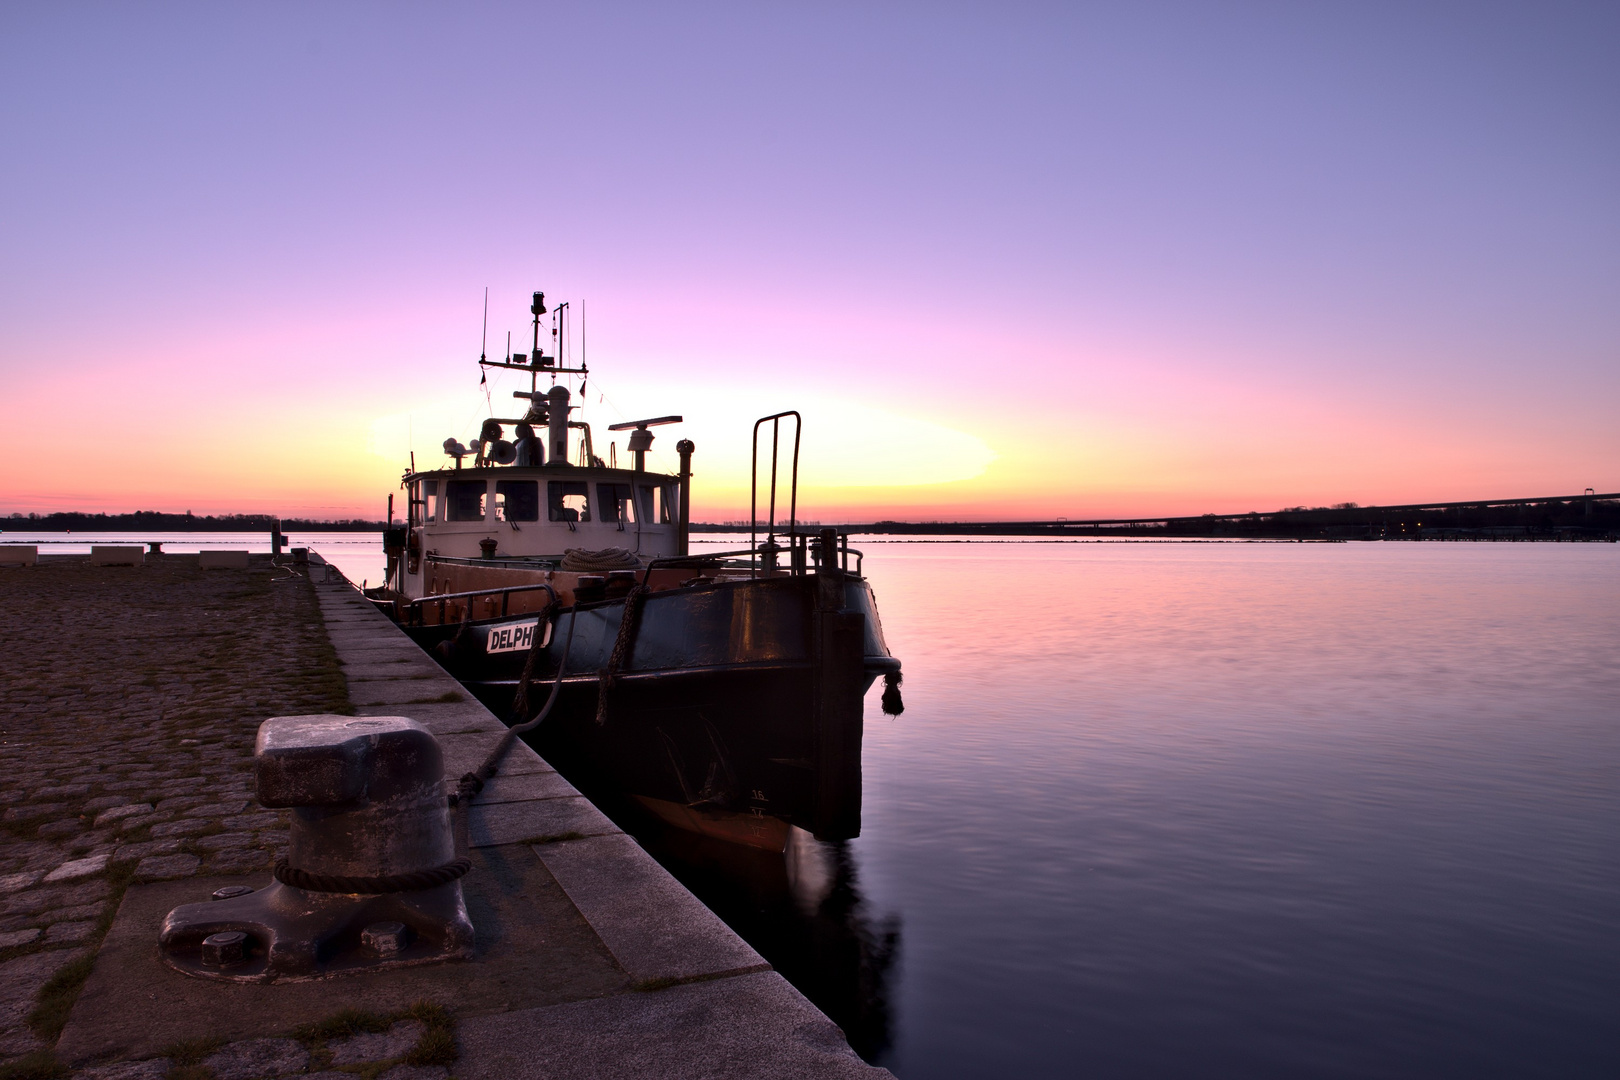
(371, 877)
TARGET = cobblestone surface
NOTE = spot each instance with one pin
(129, 701)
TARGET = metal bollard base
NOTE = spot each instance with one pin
(294, 934)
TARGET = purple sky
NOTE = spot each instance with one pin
(1010, 260)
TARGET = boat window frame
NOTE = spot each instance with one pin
(612, 505)
(450, 495)
(501, 503)
(557, 510)
(656, 503)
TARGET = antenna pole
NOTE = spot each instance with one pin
(483, 342)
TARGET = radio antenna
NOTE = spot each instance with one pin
(483, 343)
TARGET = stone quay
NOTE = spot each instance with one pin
(132, 695)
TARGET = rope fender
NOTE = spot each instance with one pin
(388, 883)
(892, 705)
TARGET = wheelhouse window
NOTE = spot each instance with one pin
(464, 500)
(654, 504)
(430, 500)
(566, 500)
(614, 499)
(517, 500)
(670, 507)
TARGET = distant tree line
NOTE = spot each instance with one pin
(1551, 519)
(157, 521)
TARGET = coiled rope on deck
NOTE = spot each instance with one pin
(582, 560)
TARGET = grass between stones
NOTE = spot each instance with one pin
(447, 698)
(340, 1026)
(436, 1046)
(39, 1065)
(186, 1058)
(56, 997)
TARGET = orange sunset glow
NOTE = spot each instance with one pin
(1020, 268)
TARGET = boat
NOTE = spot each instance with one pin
(704, 686)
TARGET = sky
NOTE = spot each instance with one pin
(1009, 260)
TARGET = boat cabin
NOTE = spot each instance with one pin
(527, 512)
(530, 504)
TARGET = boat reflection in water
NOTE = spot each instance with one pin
(792, 897)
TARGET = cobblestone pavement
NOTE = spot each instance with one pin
(129, 701)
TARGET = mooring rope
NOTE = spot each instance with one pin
(520, 700)
(621, 650)
(449, 646)
(472, 783)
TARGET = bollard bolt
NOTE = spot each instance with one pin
(229, 891)
(385, 938)
(225, 949)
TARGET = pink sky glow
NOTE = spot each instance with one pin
(1010, 263)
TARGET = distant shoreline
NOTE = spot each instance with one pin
(1571, 517)
(158, 522)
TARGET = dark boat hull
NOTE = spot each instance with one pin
(738, 696)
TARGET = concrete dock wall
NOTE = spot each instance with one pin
(19, 554)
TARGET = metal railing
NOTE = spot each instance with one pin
(410, 611)
(775, 420)
(807, 552)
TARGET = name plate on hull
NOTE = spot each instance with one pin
(513, 637)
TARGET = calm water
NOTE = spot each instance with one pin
(1218, 810)
(1249, 809)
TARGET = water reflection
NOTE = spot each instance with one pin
(795, 899)
(802, 908)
